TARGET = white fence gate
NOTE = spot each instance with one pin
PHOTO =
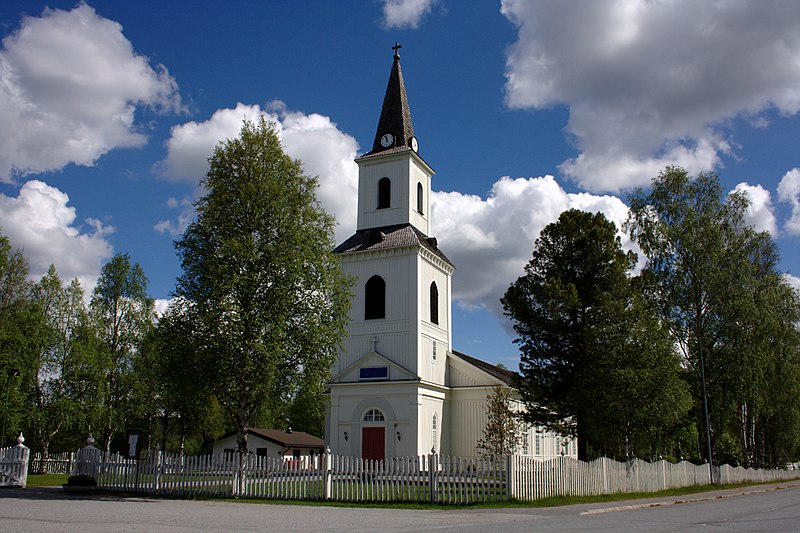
(14, 464)
(54, 463)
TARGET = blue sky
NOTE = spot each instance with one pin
(109, 110)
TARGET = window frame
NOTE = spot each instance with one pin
(384, 193)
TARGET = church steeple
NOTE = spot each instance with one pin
(395, 131)
(394, 182)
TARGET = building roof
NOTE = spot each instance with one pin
(506, 376)
(284, 437)
(395, 115)
(395, 236)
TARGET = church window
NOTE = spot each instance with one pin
(434, 352)
(375, 298)
(384, 193)
(538, 444)
(373, 415)
(420, 198)
(526, 449)
(434, 430)
(434, 303)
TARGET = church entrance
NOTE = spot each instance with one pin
(373, 443)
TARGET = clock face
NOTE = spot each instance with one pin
(414, 144)
(387, 140)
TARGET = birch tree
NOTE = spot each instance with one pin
(267, 297)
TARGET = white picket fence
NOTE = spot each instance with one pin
(55, 463)
(426, 478)
(14, 464)
(532, 480)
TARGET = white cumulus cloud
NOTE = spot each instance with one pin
(651, 83)
(789, 191)
(41, 223)
(793, 281)
(491, 240)
(759, 213)
(314, 139)
(405, 13)
(70, 83)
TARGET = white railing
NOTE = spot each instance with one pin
(54, 463)
(14, 464)
(426, 478)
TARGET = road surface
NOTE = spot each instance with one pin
(772, 508)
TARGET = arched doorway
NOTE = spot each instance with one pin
(373, 435)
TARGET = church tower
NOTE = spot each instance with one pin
(388, 392)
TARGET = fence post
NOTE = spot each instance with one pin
(157, 474)
(328, 475)
(87, 460)
(433, 478)
(22, 455)
(511, 482)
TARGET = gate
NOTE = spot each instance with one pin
(14, 464)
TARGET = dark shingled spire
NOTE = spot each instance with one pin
(395, 114)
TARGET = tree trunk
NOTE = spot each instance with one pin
(164, 426)
(45, 456)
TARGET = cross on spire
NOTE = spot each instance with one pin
(397, 46)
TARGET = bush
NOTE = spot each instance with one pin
(81, 481)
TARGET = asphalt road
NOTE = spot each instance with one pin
(771, 508)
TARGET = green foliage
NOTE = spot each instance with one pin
(267, 301)
(637, 397)
(180, 382)
(715, 283)
(504, 430)
(55, 394)
(18, 323)
(122, 314)
(592, 353)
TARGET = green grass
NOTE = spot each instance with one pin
(47, 480)
(546, 502)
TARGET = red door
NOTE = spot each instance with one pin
(372, 443)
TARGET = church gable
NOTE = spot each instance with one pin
(374, 367)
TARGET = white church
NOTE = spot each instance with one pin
(398, 387)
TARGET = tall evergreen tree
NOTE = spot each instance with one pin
(577, 264)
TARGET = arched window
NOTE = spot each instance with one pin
(434, 303)
(420, 198)
(384, 193)
(373, 415)
(375, 298)
(434, 430)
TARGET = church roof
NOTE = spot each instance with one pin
(395, 115)
(285, 438)
(506, 376)
(396, 236)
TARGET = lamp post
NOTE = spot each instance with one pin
(12, 373)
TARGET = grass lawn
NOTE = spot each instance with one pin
(47, 480)
(547, 502)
